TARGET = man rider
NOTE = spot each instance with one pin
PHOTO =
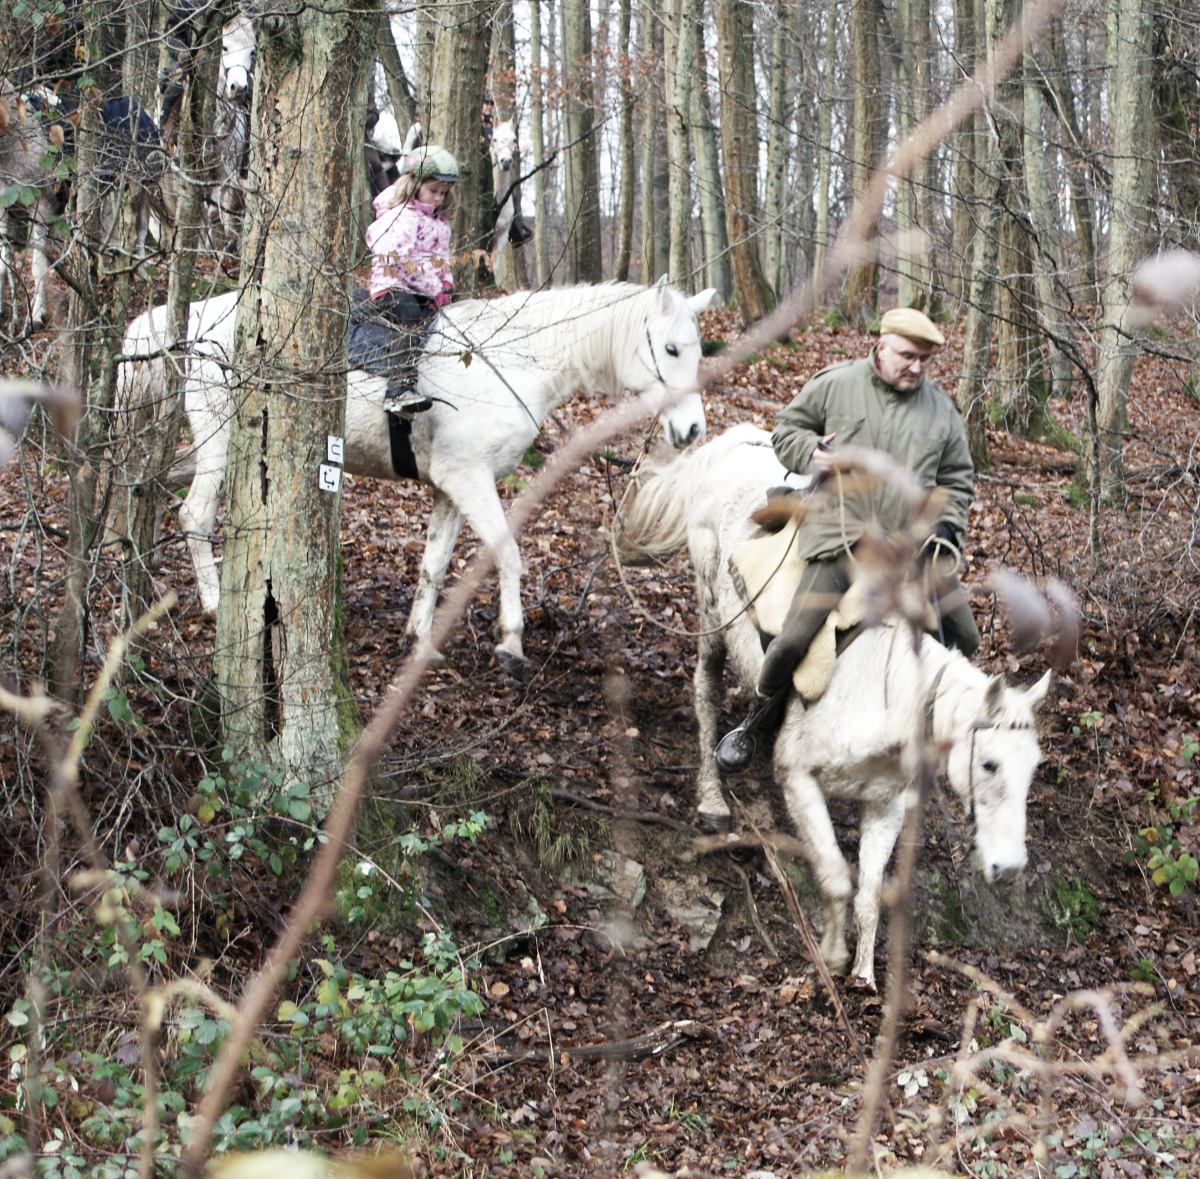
(886, 402)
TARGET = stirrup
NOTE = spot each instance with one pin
(408, 405)
(735, 750)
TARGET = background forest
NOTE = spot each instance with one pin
(500, 951)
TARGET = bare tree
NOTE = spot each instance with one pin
(581, 187)
(734, 20)
(1130, 40)
(278, 635)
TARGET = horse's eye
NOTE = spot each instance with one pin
(990, 767)
(672, 350)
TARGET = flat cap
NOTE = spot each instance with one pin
(912, 324)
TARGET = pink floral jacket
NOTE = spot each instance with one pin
(409, 249)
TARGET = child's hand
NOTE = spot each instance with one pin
(442, 299)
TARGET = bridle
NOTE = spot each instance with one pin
(979, 727)
(653, 365)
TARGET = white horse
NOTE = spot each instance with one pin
(230, 140)
(504, 151)
(858, 741)
(530, 352)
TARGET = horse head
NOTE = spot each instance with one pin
(504, 148)
(238, 50)
(990, 767)
(662, 360)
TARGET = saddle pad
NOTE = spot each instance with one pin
(766, 571)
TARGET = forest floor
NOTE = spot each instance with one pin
(1068, 1052)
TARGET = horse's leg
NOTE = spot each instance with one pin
(7, 262)
(445, 523)
(810, 816)
(707, 693)
(39, 242)
(475, 494)
(198, 512)
(879, 828)
(143, 223)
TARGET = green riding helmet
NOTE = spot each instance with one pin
(431, 163)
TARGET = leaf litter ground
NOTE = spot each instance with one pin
(764, 1075)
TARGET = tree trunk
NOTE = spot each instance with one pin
(739, 148)
(706, 151)
(462, 36)
(825, 103)
(1019, 387)
(1130, 40)
(627, 178)
(100, 280)
(582, 172)
(399, 88)
(88, 370)
(1176, 101)
(966, 146)
(510, 268)
(655, 260)
(859, 292)
(990, 186)
(279, 656)
(1047, 265)
(537, 132)
(1079, 172)
(915, 277)
(152, 430)
(779, 144)
(679, 42)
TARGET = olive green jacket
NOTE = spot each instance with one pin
(920, 430)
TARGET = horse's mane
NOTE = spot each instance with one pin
(546, 309)
(654, 519)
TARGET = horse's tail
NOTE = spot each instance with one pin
(653, 522)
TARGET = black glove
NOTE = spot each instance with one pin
(946, 532)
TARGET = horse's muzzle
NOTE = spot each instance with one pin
(1002, 873)
(685, 438)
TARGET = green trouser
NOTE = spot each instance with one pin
(821, 587)
(959, 631)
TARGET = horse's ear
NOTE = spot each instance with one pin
(993, 697)
(1037, 693)
(699, 302)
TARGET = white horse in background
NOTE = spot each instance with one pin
(231, 133)
(858, 741)
(504, 153)
(529, 351)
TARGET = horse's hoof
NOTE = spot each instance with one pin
(714, 824)
(513, 665)
(419, 647)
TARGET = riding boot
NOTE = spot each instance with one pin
(821, 586)
(736, 748)
(402, 397)
(519, 232)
